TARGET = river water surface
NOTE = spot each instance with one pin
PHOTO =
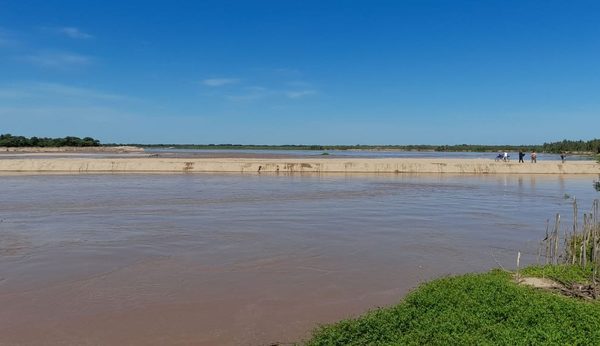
(248, 259)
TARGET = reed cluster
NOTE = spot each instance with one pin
(579, 244)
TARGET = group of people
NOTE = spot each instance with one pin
(505, 157)
(522, 156)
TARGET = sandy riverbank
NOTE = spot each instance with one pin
(294, 165)
(114, 149)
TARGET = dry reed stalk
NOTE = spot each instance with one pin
(584, 241)
(574, 230)
(594, 211)
(596, 229)
(518, 264)
(547, 240)
(575, 216)
(566, 246)
(556, 228)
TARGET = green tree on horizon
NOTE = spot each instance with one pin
(8, 140)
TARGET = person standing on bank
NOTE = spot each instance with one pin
(533, 157)
(521, 156)
(563, 157)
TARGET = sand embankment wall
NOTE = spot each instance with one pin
(292, 165)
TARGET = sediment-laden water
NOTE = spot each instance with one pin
(252, 259)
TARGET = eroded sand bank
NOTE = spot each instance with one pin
(294, 165)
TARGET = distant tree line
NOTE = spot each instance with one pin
(484, 148)
(8, 140)
(592, 146)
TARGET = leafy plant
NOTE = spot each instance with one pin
(472, 309)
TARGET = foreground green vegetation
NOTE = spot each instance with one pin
(474, 309)
(8, 140)
(590, 147)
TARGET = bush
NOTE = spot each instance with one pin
(473, 309)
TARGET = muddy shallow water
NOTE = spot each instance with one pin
(248, 259)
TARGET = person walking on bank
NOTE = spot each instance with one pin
(533, 157)
(563, 157)
(521, 156)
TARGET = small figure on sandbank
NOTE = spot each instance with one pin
(502, 156)
(563, 157)
(521, 156)
(533, 157)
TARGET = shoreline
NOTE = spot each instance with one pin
(292, 165)
(78, 150)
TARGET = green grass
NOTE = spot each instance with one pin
(565, 274)
(473, 309)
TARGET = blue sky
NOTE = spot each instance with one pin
(292, 72)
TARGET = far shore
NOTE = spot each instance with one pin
(99, 149)
(291, 165)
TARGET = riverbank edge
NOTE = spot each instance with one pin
(292, 165)
(485, 308)
(84, 150)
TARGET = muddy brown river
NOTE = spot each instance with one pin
(248, 259)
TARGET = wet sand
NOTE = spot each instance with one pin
(294, 165)
(210, 259)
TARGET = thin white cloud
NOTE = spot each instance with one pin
(287, 71)
(37, 108)
(83, 112)
(67, 90)
(298, 84)
(257, 93)
(60, 60)
(42, 90)
(296, 94)
(14, 93)
(75, 33)
(217, 82)
(83, 120)
(293, 88)
(251, 94)
(6, 40)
